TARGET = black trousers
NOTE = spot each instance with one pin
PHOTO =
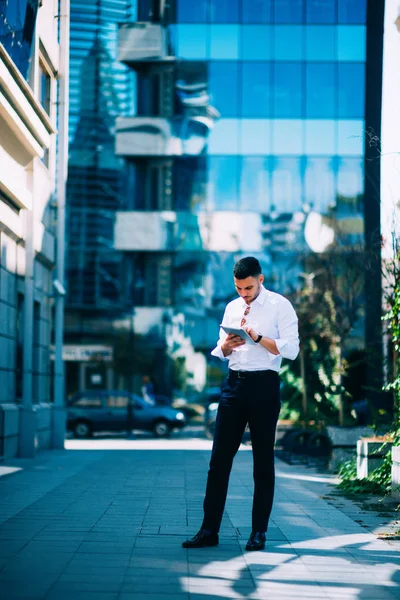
(254, 400)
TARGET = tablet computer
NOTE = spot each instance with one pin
(240, 332)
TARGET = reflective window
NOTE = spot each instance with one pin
(320, 43)
(256, 136)
(224, 41)
(256, 42)
(352, 11)
(350, 138)
(351, 42)
(349, 185)
(190, 175)
(223, 86)
(117, 401)
(256, 11)
(255, 184)
(286, 184)
(223, 11)
(255, 88)
(17, 28)
(287, 89)
(191, 41)
(320, 183)
(320, 136)
(288, 42)
(287, 137)
(321, 11)
(88, 402)
(192, 12)
(222, 184)
(288, 11)
(44, 88)
(224, 137)
(320, 90)
(351, 90)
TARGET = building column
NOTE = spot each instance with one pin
(27, 428)
(59, 410)
(372, 205)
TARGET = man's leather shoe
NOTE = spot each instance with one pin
(202, 539)
(256, 541)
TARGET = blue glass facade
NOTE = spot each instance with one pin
(288, 80)
(100, 89)
(281, 87)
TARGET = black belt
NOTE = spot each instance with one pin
(247, 374)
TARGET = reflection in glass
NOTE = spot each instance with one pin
(191, 41)
(320, 43)
(287, 136)
(256, 11)
(288, 42)
(350, 137)
(192, 12)
(190, 175)
(349, 185)
(351, 90)
(287, 89)
(320, 90)
(288, 11)
(320, 137)
(224, 138)
(223, 11)
(320, 184)
(352, 11)
(256, 42)
(255, 184)
(17, 28)
(222, 186)
(255, 88)
(256, 136)
(351, 42)
(321, 11)
(286, 184)
(224, 42)
(223, 87)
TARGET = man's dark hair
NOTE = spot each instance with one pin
(247, 267)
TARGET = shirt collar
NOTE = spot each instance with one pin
(260, 298)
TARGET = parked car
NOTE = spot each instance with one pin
(114, 410)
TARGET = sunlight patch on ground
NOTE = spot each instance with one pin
(317, 479)
(142, 444)
(9, 470)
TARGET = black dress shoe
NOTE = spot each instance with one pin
(256, 541)
(202, 539)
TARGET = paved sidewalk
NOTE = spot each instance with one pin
(107, 524)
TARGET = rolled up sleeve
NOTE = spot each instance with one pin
(217, 352)
(288, 342)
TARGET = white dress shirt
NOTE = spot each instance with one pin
(272, 316)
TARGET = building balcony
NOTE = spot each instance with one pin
(157, 136)
(140, 43)
(167, 231)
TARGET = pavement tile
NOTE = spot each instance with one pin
(111, 524)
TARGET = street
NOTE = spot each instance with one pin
(105, 520)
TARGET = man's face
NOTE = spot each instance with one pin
(249, 288)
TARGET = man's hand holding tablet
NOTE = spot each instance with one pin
(236, 337)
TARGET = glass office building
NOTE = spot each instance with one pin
(202, 132)
(247, 138)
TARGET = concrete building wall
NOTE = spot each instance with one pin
(28, 117)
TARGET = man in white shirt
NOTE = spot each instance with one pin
(250, 394)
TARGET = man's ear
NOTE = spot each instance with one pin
(261, 278)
